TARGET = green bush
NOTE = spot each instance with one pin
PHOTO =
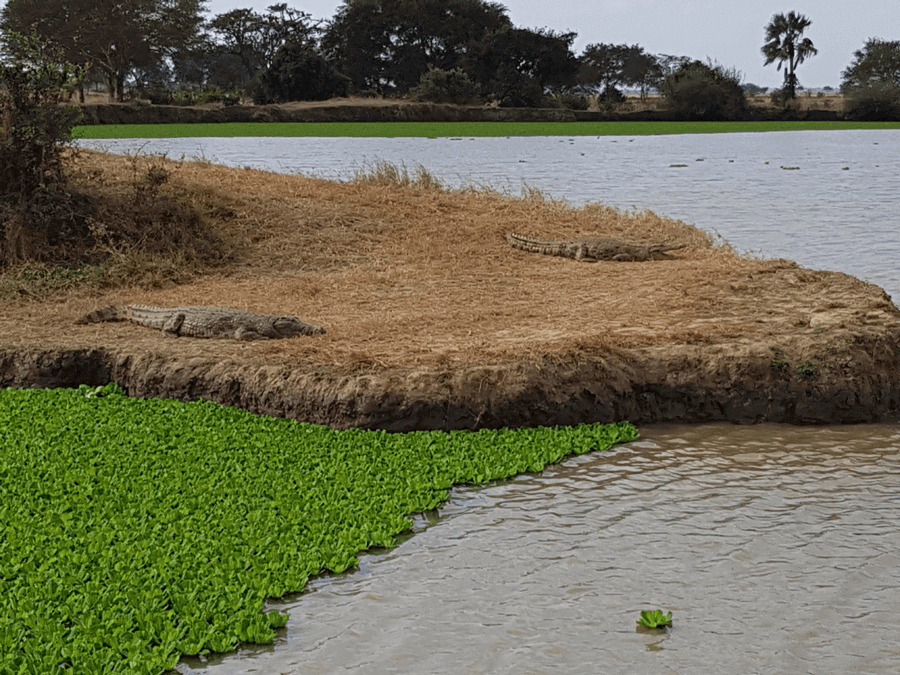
(699, 91)
(298, 73)
(512, 89)
(571, 101)
(134, 531)
(445, 86)
(37, 213)
(878, 102)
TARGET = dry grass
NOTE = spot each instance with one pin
(401, 271)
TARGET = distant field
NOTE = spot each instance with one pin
(453, 129)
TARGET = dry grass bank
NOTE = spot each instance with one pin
(401, 271)
(434, 321)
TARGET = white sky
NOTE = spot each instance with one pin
(730, 32)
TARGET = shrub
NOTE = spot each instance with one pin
(700, 91)
(36, 210)
(610, 96)
(512, 89)
(445, 86)
(876, 102)
(298, 73)
(571, 101)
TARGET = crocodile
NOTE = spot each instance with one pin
(592, 249)
(206, 322)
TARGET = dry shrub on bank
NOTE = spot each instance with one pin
(125, 227)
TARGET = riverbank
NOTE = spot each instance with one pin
(434, 322)
(356, 110)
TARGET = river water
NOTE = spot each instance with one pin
(776, 548)
(826, 199)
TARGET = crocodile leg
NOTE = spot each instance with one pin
(172, 326)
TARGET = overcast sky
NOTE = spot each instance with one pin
(729, 31)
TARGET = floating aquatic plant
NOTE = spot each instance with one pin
(654, 618)
(134, 531)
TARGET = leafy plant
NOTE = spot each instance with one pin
(654, 618)
(807, 370)
(778, 361)
(134, 531)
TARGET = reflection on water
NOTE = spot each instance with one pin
(827, 199)
(776, 548)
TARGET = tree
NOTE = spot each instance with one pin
(872, 82)
(784, 44)
(602, 68)
(387, 45)
(878, 62)
(299, 73)
(36, 210)
(254, 39)
(518, 66)
(641, 69)
(705, 91)
(113, 36)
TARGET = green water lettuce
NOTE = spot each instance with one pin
(654, 618)
(134, 531)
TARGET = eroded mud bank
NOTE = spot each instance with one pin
(686, 384)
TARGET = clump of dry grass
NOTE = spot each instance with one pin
(391, 175)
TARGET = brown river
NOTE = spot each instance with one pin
(776, 548)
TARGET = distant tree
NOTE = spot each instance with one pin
(255, 38)
(784, 44)
(754, 89)
(705, 91)
(871, 83)
(387, 45)
(602, 68)
(641, 69)
(878, 62)
(519, 66)
(299, 73)
(113, 36)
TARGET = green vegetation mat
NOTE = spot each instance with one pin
(453, 129)
(133, 531)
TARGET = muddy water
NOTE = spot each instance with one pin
(776, 548)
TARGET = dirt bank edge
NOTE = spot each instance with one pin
(687, 384)
(401, 112)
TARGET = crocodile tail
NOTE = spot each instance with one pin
(518, 241)
(101, 315)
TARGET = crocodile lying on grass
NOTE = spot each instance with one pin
(591, 250)
(206, 322)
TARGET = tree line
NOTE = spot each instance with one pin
(444, 50)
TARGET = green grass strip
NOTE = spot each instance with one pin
(452, 129)
(134, 531)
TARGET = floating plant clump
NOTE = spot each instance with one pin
(134, 531)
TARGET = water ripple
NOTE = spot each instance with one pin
(777, 549)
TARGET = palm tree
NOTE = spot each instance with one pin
(783, 44)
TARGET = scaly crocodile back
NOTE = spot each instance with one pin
(586, 249)
(206, 322)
